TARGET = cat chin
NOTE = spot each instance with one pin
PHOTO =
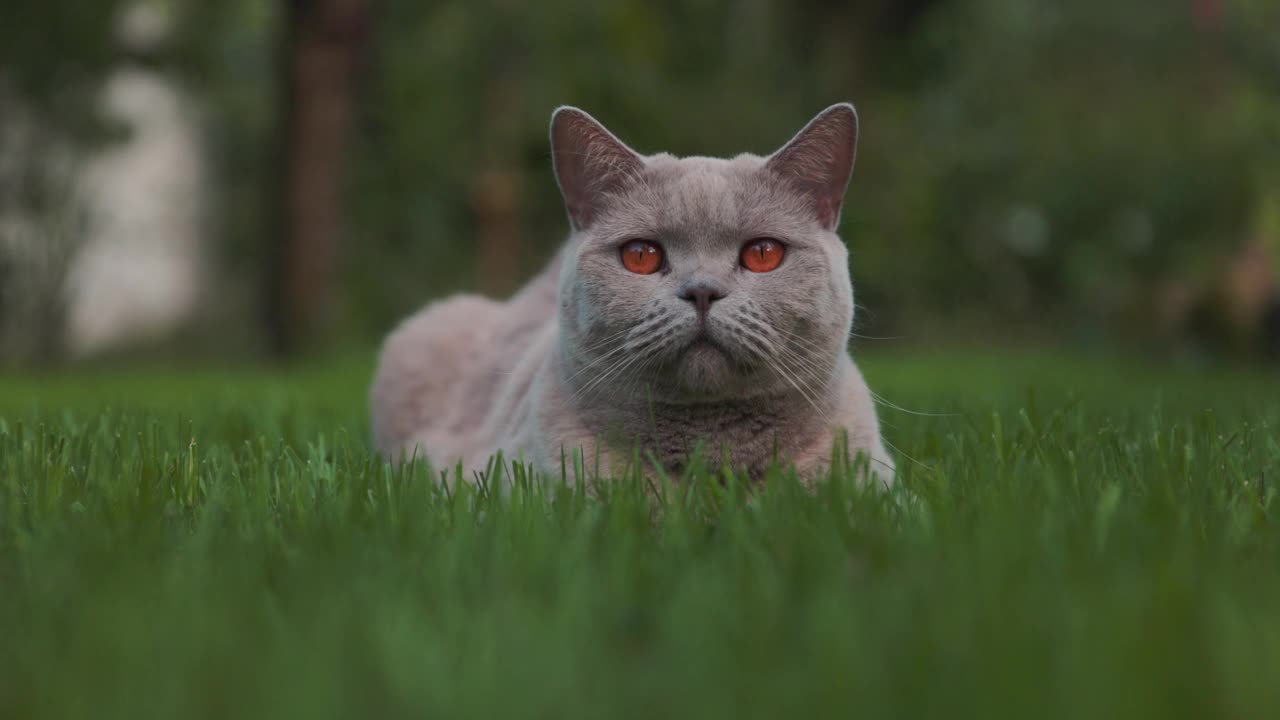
(706, 370)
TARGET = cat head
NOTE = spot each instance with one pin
(691, 279)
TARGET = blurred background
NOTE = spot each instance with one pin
(251, 179)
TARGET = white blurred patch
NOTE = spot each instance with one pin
(138, 275)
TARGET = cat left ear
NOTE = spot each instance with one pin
(819, 160)
(590, 163)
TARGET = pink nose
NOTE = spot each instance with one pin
(702, 296)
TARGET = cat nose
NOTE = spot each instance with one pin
(702, 295)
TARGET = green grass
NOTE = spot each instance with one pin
(1070, 538)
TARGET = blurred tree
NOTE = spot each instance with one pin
(1077, 156)
(323, 41)
(53, 56)
(1026, 166)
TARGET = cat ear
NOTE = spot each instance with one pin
(590, 163)
(819, 160)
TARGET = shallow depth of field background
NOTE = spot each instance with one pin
(1065, 240)
(234, 181)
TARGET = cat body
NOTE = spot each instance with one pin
(698, 303)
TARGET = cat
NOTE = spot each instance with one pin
(698, 303)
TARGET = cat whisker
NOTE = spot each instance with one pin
(640, 350)
(860, 311)
(802, 364)
(808, 366)
(780, 368)
(875, 338)
(885, 465)
(652, 351)
(621, 371)
(794, 367)
(804, 342)
(641, 328)
(628, 377)
(613, 337)
(902, 454)
(638, 374)
(597, 361)
(881, 400)
(606, 373)
(808, 347)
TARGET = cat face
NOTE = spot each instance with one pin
(692, 279)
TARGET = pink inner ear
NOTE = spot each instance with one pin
(819, 161)
(590, 162)
(826, 213)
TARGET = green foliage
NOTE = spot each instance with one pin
(1078, 156)
(457, 89)
(1026, 165)
(1070, 538)
(52, 56)
(1020, 162)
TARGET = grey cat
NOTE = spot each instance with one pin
(699, 302)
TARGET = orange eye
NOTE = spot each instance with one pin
(641, 257)
(762, 255)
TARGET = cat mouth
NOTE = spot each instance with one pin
(702, 340)
(702, 346)
(705, 350)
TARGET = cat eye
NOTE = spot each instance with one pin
(642, 257)
(762, 255)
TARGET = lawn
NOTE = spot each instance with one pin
(1071, 537)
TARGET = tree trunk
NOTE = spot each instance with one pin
(322, 44)
(495, 201)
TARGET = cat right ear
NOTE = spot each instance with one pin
(819, 160)
(590, 163)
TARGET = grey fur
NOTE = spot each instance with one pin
(594, 358)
